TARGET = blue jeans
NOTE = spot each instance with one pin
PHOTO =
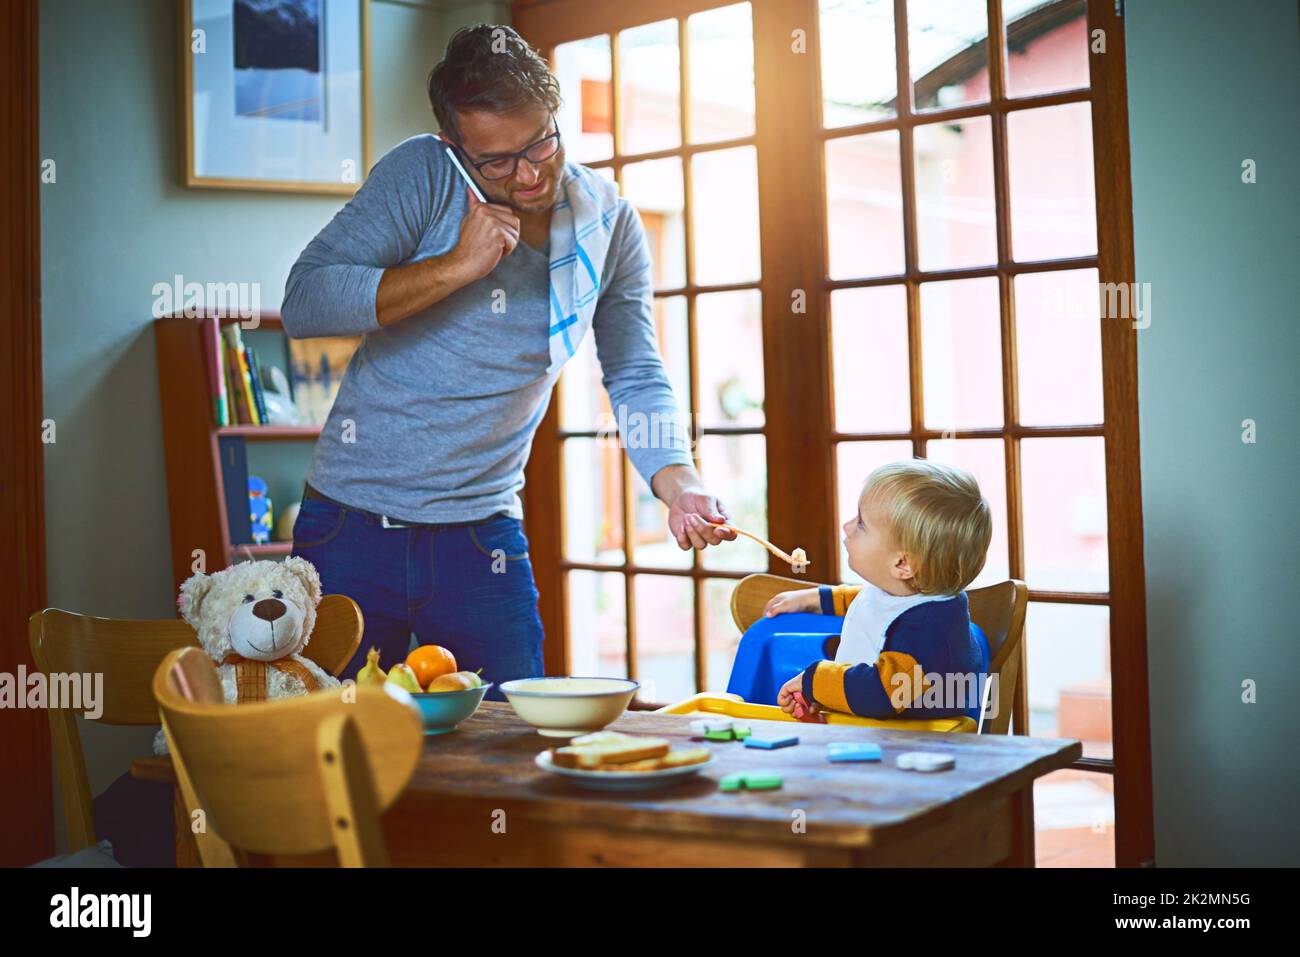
(468, 587)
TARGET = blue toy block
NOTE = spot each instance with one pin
(771, 744)
(853, 751)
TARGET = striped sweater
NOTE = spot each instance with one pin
(927, 640)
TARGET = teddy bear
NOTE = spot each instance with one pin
(254, 619)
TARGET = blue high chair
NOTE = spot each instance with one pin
(773, 649)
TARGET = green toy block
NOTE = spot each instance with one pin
(732, 782)
(741, 732)
(762, 780)
(717, 736)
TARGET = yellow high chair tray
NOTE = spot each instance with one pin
(733, 706)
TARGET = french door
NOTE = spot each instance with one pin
(879, 230)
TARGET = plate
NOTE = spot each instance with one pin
(620, 780)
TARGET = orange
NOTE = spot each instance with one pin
(429, 662)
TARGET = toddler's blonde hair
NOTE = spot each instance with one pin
(937, 518)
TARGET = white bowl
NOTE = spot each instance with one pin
(563, 707)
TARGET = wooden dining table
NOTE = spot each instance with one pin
(477, 798)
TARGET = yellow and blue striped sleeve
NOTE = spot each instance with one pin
(835, 599)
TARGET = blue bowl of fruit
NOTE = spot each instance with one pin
(445, 696)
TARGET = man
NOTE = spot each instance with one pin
(469, 310)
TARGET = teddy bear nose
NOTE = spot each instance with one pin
(269, 609)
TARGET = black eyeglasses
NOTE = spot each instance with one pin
(503, 167)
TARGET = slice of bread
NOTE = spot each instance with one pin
(649, 764)
(601, 737)
(606, 751)
(684, 756)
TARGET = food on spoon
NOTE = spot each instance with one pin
(371, 673)
(429, 662)
(403, 677)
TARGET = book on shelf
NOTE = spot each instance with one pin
(255, 372)
(216, 370)
(234, 480)
(245, 404)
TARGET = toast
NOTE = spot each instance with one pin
(606, 748)
(673, 759)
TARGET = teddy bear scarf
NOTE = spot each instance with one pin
(251, 676)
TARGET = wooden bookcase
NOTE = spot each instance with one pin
(196, 504)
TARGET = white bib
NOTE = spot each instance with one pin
(869, 616)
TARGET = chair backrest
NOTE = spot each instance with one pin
(127, 653)
(998, 609)
(295, 776)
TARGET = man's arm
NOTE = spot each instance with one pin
(354, 276)
(658, 434)
(488, 233)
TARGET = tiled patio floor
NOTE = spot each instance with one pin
(1074, 819)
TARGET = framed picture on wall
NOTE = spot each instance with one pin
(276, 94)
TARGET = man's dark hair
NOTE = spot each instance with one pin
(489, 67)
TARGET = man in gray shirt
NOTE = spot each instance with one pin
(412, 505)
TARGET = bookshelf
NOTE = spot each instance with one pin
(193, 444)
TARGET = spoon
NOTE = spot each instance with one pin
(797, 560)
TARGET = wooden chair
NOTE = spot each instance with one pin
(297, 776)
(127, 654)
(998, 609)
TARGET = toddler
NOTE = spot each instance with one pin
(920, 535)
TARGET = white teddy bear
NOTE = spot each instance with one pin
(254, 619)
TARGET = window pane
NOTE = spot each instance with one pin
(869, 356)
(655, 189)
(986, 460)
(721, 635)
(665, 637)
(947, 52)
(859, 69)
(670, 332)
(725, 192)
(655, 546)
(1047, 46)
(593, 523)
(1058, 348)
(1068, 657)
(597, 614)
(854, 461)
(735, 468)
(956, 221)
(864, 206)
(961, 354)
(586, 116)
(722, 73)
(650, 77)
(1049, 165)
(584, 404)
(1074, 819)
(1063, 484)
(729, 336)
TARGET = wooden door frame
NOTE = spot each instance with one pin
(28, 811)
(797, 348)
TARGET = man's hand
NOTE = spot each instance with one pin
(488, 233)
(692, 511)
(691, 518)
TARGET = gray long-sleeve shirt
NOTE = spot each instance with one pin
(435, 416)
